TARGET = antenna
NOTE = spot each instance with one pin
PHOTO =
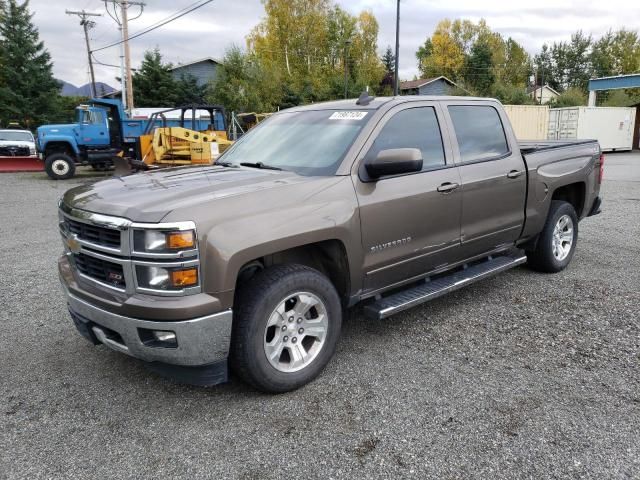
(364, 99)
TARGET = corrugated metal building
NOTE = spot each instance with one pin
(428, 86)
(204, 70)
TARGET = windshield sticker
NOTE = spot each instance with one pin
(347, 115)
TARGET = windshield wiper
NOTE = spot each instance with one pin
(259, 165)
(226, 164)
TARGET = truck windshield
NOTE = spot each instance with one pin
(16, 136)
(312, 142)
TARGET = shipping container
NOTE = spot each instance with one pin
(529, 122)
(613, 127)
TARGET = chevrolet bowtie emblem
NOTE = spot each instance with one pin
(73, 244)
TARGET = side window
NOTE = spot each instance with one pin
(413, 128)
(479, 132)
(96, 117)
(86, 116)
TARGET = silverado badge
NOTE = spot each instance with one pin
(394, 243)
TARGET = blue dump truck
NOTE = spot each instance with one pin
(102, 130)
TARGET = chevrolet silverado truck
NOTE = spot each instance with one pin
(250, 263)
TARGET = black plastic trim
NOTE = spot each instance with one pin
(595, 209)
(203, 375)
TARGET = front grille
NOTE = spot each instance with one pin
(14, 151)
(107, 237)
(101, 270)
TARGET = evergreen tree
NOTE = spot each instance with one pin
(153, 84)
(478, 69)
(188, 91)
(389, 61)
(28, 92)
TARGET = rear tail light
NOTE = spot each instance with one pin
(601, 171)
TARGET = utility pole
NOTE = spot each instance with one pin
(87, 25)
(542, 84)
(126, 80)
(395, 68)
(124, 5)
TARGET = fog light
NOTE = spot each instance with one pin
(158, 338)
(164, 336)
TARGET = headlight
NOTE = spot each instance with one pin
(32, 150)
(159, 278)
(158, 241)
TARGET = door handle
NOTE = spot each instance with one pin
(515, 173)
(447, 187)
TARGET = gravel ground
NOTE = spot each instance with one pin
(521, 376)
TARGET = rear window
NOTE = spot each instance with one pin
(479, 132)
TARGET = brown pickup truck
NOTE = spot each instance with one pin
(251, 262)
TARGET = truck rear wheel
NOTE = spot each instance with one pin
(60, 166)
(557, 242)
(285, 327)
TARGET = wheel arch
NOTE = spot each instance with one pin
(573, 193)
(329, 257)
(60, 146)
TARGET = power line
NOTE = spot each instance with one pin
(173, 14)
(150, 29)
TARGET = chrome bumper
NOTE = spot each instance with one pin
(200, 341)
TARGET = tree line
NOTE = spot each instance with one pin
(482, 62)
(306, 51)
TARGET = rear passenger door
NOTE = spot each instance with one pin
(408, 226)
(493, 176)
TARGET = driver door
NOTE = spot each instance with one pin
(410, 223)
(94, 128)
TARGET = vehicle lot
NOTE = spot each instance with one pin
(521, 376)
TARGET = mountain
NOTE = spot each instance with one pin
(70, 90)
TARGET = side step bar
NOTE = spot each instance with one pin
(430, 289)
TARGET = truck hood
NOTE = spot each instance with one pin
(16, 143)
(60, 128)
(150, 196)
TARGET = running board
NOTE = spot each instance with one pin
(430, 289)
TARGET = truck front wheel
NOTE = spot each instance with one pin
(60, 166)
(285, 328)
(557, 241)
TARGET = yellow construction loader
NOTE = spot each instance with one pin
(164, 144)
(167, 139)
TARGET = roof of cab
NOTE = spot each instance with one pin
(378, 102)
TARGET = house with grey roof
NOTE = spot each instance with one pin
(204, 70)
(428, 86)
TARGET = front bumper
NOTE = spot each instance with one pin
(200, 341)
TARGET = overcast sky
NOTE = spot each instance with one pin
(211, 29)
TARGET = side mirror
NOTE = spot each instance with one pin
(394, 161)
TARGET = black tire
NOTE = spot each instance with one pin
(542, 258)
(255, 301)
(60, 166)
